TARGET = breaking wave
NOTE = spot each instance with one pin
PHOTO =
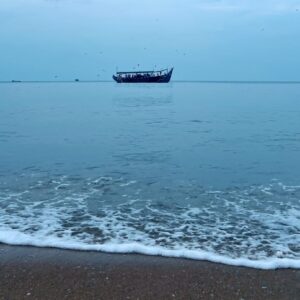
(255, 226)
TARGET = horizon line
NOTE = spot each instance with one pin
(191, 81)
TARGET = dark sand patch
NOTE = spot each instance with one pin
(43, 273)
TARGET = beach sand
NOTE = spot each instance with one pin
(45, 273)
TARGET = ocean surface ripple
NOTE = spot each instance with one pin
(206, 171)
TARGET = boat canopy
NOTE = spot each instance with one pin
(142, 72)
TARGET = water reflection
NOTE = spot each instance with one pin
(141, 95)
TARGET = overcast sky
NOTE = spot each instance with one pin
(203, 40)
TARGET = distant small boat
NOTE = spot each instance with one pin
(160, 76)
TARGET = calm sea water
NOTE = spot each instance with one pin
(196, 170)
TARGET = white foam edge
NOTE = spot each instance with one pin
(20, 239)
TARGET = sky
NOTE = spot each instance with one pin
(251, 40)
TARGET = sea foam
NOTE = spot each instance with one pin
(256, 226)
(13, 238)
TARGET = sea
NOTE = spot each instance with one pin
(197, 170)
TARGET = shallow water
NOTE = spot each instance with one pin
(198, 170)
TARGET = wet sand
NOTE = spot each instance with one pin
(44, 273)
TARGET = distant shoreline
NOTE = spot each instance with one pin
(46, 273)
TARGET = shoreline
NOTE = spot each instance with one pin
(49, 273)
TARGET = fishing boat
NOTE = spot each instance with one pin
(144, 76)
